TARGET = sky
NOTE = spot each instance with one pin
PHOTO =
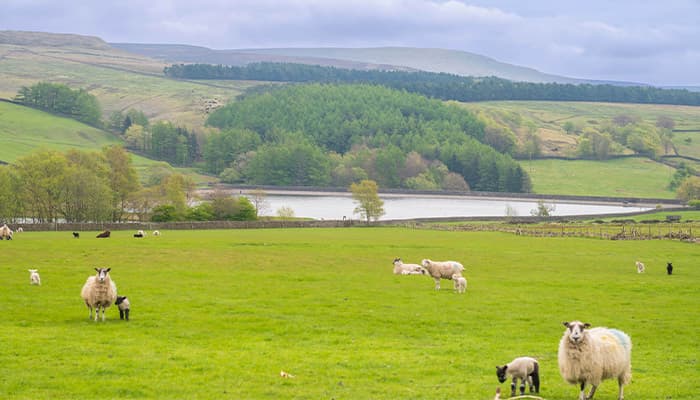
(646, 41)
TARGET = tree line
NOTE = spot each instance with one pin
(82, 186)
(438, 85)
(60, 99)
(339, 134)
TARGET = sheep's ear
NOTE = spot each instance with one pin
(109, 269)
(586, 325)
(97, 269)
(566, 324)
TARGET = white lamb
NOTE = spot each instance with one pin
(460, 283)
(407, 269)
(442, 270)
(640, 266)
(524, 368)
(156, 233)
(589, 356)
(99, 292)
(34, 278)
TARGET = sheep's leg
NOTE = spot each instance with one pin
(126, 313)
(582, 394)
(103, 313)
(592, 392)
(437, 283)
(121, 314)
(512, 386)
(620, 395)
(97, 312)
(522, 387)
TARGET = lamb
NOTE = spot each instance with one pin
(442, 270)
(640, 266)
(407, 269)
(20, 230)
(669, 268)
(99, 292)
(124, 307)
(156, 233)
(460, 283)
(104, 234)
(523, 368)
(589, 356)
(76, 235)
(34, 278)
(138, 234)
(5, 232)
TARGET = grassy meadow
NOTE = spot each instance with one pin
(219, 313)
(621, 177)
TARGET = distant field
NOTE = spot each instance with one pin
(623, 177)
(119, 80)
(220, 313)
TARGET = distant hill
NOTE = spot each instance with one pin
(386, 58)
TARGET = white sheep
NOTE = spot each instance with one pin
(34, 278)
(524, 368)
(124, 306)
(442, 270)
(5, 232)
(407, 269)
(156, 233)
(640, 266)
(99, 292)
(589, 356)
(460, 283)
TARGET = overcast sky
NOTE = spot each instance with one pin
(656, 42)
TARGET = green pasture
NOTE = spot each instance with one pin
(622, 177)
(218, 314)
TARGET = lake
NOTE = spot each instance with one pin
(335, 206)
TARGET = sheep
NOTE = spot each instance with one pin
(5, 232)
(138, 234)
(124, 307)
(460, 283)
(34, 278)
(156, 233)
(20, 230)
(589, 356)
(524, 368)
(76, 235)
(669, 268)
(640, 266)
(104, 234)
(407, 269)
(442, 270)
(99, 292)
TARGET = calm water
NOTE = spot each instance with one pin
(338, 206)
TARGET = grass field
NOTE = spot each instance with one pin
(218, 314)
(623, 177)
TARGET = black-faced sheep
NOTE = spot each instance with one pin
(20, 230)
(99, 292)
(460, 283)
(124, 307)
(34, 278)
(589, 356)
(442, 270)
(5, 232)
(76, 235)
(104, 234)
(640, 266)
(407, 269)
(138, 234)
(669, 268)
(524, 368)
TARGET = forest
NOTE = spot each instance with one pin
(323, 134)
(438, 85)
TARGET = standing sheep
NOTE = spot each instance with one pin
(640, 266)
(99, 292)
(442, 270)
(156, 233)
(407, 269)
(124, 307)
(460, 283)
(669, 268)
(34, 278)
(589, 356)
(524, 368)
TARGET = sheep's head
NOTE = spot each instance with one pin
(455, 276)
(575, 330)
(33, 271)
(501, 373)
(102, 273)
(120, 300)
(425, 263)
(397, 260)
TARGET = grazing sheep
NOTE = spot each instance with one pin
(442, 270)
(99, 292)
(156, 233)
(104, 234)
(407, 269)
(5, 232)
(76, 235)
(669, 268)
(589, 356)
(138, 234)
(460, 283)
(124, 306)
(20, 230)
(524, 368)
(34, 278)
(640, 266)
